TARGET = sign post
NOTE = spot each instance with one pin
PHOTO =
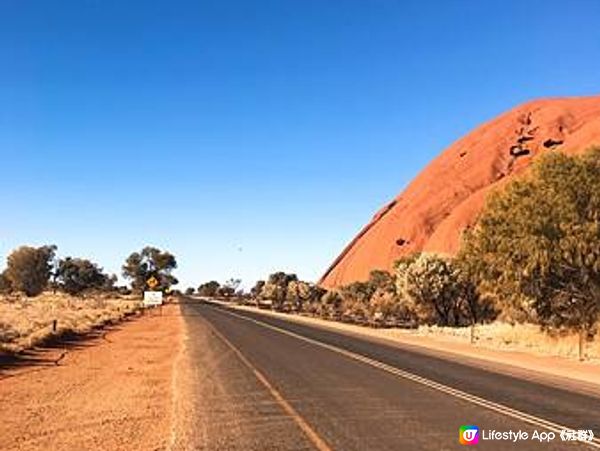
(152, 282)
(153, 298)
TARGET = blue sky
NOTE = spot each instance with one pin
(252, 136)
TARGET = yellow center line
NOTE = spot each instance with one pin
(312, 435)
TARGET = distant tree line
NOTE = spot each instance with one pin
(214, 289)
(424, 289)
(31, 270)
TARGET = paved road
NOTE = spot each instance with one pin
(265, 383)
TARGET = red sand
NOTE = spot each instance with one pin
(431, 214)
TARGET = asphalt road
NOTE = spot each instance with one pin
(264, 383)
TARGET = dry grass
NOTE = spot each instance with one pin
(518, 337)
(528, 338)
(27, 322)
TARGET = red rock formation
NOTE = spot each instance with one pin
(446, 197)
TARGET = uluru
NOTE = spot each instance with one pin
(445, 198)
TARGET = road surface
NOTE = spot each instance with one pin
(263, 383)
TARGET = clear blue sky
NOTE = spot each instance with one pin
(251, 136)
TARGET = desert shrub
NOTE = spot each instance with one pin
(275, 289)
(75, 275)
(29, 268)
(229, 288)
(384, 302)
(439, 291)
(256, 290)
(355, 299)
(536, 245)
(330, 304)
(5, 286)
(300, 295)
(209, 289)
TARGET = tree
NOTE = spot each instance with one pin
(275, 288)
(431, 282)
(355, 299)
(150, 262)
(229, 288)
(330, 304)
(539, 238)
(5, 286)
(379, 279)
(300, 294)
(189, 291)
(384, 302)
(75, 275)
(256, 290)
(209, 289)
(29, 268)
(110, 284)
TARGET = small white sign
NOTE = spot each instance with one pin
(152, 298)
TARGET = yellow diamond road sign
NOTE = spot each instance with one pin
(152, 282)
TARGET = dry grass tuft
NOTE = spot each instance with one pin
(518, 337)
(27, 322)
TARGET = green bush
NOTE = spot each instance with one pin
(536, 246)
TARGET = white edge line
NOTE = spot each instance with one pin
(496, 407)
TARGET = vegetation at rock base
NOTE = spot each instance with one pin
(536, 247)
(440, 292)
(533, 256)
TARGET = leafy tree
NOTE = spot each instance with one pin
(355, 298)
(357, 291)
(5, 286)
(231, 287)
(110, 284)
(189, 291)
(209, 289)
(432, 283)
(256, 290)
(150, 262)
(379, 279)
(536, 245)
(300, 294)
(75, 275)
(29, 268)
(225, 292)
(384, 302)
(375, 298)
(275, 293)
(275, 289)
(331, 303)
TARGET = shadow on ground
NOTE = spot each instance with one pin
(51, 353)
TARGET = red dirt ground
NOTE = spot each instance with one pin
(109, 391)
